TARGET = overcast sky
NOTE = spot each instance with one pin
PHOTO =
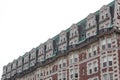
(25, 24)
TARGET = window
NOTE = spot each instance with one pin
(59, 76)
(61, 40)
(75, 59)
(102, 27)
(104, 61)
(103, 44)
(103, 47)
(64, 39)
(71, 76)
(63, 47)
(102, 17)
(90, 71)
(47, 72)
(94, 50)
(105, 77)
(76, 72)
(88, 34)
(51, 71)
(111, 76)
(64, 76)
(71, 73)
(106, 15)
(89, 24)
(75, 32)
(71, 43)
(83, 71)
(95, 66)
(109, 42)
(72, 34)
(75, 41)
(59, 65)
(95, 79)
(90, 52)
(95, 69)
(93, 32)
(107, 25)
(110, 58)
(41, 74)
(119, 8)
(107, 60)
(64, 64)
(70, 61)
(90, 68)
(76, 75)
(83, 56)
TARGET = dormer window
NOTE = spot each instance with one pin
(26, 57)
(33, 54)
(14, 64)
(91, 25)
(91, 21)
(4, 70)
(49, 48)
(73, 30)
(106, 14)
(41, 49)
(49, 44)
(62, 37)
(20, 61)
(104, 17)
(74, 35)
(62, 40)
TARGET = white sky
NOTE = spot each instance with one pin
(25, 24)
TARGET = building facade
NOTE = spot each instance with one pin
(88, 50)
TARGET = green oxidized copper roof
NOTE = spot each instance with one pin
(111, 4)
(56, 37)
(84, 20)
(96, 13)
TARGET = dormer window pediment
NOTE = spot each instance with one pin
(91, 20)
(26, 57)
(49, 45)
(9, 67)
(104, 8)
(20, 61)
(41, 49)
(62, 37)
(33, 53)
(90, 16)
(4, 69)
(14, 63)
(104, 14)
(73, 31)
